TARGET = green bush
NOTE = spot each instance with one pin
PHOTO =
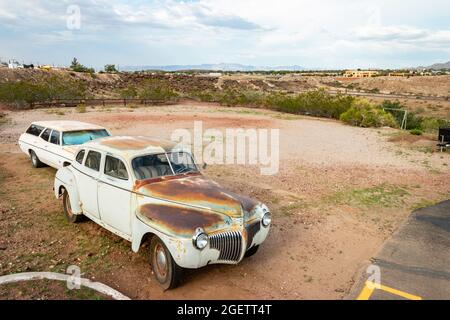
(128, 93)
(433, 124)
(413, 121)
(416, 132)
(157, 90)
(110, 68)
(23, 93)
(205, 96)
(241, 97)
(78, 67)
(364, 114)
(316, 103)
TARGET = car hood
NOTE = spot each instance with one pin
(198, 192)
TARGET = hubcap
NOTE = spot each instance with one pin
(161, 260)
(33, 158)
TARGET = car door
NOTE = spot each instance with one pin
(30, 139)
(42, 144)
(87, 181)
(54, 148)
(114, 194)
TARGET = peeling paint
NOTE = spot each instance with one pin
(180, 220)
(200, 192)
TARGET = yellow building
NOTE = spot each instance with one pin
(360, 73)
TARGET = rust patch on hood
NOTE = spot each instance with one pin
(248, 204)
(180, 220)
(199, 192)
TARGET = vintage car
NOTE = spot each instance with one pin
(54, 143)
(142, 188)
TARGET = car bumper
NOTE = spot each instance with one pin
(225, 247)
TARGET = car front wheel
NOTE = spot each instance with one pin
(70, 216)
(166, 271)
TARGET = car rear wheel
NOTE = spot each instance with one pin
(70, 216)
(166, 271)
(251, 251)
(35, 162)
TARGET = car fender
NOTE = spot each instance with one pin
(65, 178)
(178, 248)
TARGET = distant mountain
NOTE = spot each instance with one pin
(212, 67)
(440, 66)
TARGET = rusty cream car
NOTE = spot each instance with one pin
(145, 189)
(54, 143)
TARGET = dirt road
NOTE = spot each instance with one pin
(341, 191)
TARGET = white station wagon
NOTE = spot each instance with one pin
(54, 142)
(144, 189)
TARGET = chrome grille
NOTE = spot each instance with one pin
(229, 245)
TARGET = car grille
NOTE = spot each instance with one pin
(252, 229)
(229, 245)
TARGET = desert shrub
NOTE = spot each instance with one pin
(110, 68)
(433, 124)
(78, 67)
(128, 93)
(241, 97)
(416, 132)
(364, 114)
(317, 103)
(282, 102)
(205, 96)
(156, 90)
(23, 93)
(81, 108)
(413, 121)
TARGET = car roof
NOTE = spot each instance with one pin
(68, 125)
(132, 146)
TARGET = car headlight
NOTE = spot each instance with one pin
(200, 239)
(267, 219)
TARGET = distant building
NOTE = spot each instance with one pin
(13, 64)
(361, 73)
(400, 74)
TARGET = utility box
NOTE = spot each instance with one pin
(444, 138)
(444, 135)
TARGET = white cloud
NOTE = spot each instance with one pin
(312, 33)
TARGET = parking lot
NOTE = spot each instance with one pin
(414, 263)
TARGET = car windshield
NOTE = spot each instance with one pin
(157, 165)
(79, 137)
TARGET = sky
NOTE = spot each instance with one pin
(326, 34)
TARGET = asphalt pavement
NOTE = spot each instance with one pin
(414, 264)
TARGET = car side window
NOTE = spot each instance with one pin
(35, 130)
(54, 138)
(151, 166)
(115, 168)
(46, 134)
(80, 156)
(93, 160)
